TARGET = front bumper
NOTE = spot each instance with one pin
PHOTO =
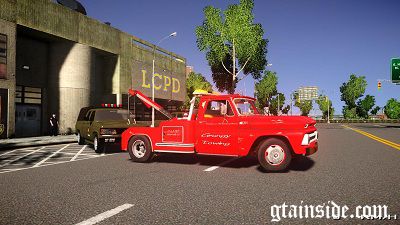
(312, 148)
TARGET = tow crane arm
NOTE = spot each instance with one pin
(149, 103)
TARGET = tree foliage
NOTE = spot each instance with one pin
(233, 34)
(266, 88)
(375, 110)
(305, 106)
(364, 106)
(222, 79)
(273, 106)
(392, 109)
(351, 91)
(195, 81)
(323, 103)
(267, 94)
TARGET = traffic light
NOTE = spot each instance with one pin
(379, 85)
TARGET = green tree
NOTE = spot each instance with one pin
(364, 106)
(195, 81)
(392, 109)
(233, 34)
(273, 106)
(222, 79)
(323, 103)
(266, 88)
(351, 91)
(286, 110)
(375, 110)
(305, 106)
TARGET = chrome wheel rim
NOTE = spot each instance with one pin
(274, 155)
(138, 149)
(79, 137)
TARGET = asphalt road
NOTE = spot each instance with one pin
(349, 169)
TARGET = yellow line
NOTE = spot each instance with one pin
(384, 141)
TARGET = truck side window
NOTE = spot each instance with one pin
(218, 108)
(91, 118)
(87, 116)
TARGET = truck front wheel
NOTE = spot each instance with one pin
(139, 148)
(274, 155)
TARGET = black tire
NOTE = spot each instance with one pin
(140, 149)
(98, 144)
(279, 152)
(81, 140)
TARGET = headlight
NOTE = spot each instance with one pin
(108, 131)
(305, 140)
(308, 138)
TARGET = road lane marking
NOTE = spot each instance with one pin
(383, 141)
(218, 166)
(9, 152)
(77, 154)
(105, 215)
(54, 153)
(45, 164)
(30, 153)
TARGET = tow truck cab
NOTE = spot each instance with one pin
(227, 125)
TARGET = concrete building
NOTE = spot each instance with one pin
(189, 69)
(56, 60)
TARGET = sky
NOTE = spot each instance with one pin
(311, 42)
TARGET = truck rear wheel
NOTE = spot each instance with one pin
(98, 145)
(81, 140)
(274, 155)
(140, 149)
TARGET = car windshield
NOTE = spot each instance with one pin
(246, 106)
(111, 114)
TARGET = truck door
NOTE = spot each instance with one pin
(217, 129)
(91, 125)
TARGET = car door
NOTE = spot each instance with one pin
(216, 130)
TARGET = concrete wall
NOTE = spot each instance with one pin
(79, 72)
(9, 29)
(69, 81)
(51, 18)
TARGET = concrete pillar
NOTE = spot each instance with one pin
(69, 82)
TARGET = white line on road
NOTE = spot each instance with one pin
(54, 153)
(209, 169)
(77, 154)
(9, 152)
(47, 164)
(30, 153)
(105, 215)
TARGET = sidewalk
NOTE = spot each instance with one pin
(35, 141)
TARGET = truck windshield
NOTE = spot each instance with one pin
(112, 114)
(245, 106)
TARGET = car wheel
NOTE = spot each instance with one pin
(98, 145)
(140, 149)
(81, 140)
(274, 155)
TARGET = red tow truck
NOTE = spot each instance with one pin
(224, 125)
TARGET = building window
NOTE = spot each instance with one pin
(30, 95)
(3, 56)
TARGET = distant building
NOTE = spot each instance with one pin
(189, 69)
(57, 60)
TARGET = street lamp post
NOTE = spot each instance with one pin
(152, 78)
